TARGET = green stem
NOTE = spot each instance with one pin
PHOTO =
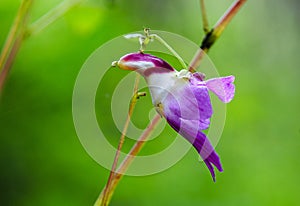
(15, 29)
(158, 38)
(128, 159)
(20, 31)
(211, 37)
(204, 17)
(8, 63)
(147, 39)
(14, 40)
(121, 142)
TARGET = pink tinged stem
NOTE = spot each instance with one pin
(9, 61)
(227, 17)
(13, 31)
(121, 142)
(138, 146)
(14, 40)
(215, 33)
(128, 160)
(20, 31)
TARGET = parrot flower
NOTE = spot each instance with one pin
(182, 98)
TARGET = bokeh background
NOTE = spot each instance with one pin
(43, 162)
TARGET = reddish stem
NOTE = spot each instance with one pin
(14, 40)
(121, 142)
(128, 160)
(9, 61)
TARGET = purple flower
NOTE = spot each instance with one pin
(183, 99)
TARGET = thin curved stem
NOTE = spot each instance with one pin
(14, 40)
(122, 140)
(128, 159)
(20, 31)
(23, 10)
(158, 38)
(9, 60)
(145, 39)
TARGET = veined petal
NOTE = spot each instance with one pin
(188, 129)
(188, 111)
(189, 102)
(208, 154)
(223, 87)
(200, 92)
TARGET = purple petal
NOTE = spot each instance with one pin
(199, 141)
(208, 154)
(190, 102)
(136, 57)
(188, 111)
(200, 92)
(223, 87)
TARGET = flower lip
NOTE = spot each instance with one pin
(142, 61)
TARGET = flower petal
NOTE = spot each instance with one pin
(186, 128)
(189, 102)
(188, 111)
(200, 92)
(223, 87)
(208, 154)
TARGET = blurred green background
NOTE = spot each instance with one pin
(43, 162)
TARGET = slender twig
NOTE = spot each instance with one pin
(215, 33)
(145, 40)
(227, 17)
(9, 60)
(122, 139)
(14, 40)
(20, 31)
(204, 17)
(129, 158)
(163, 42)
(52, 15)
(15, 28)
